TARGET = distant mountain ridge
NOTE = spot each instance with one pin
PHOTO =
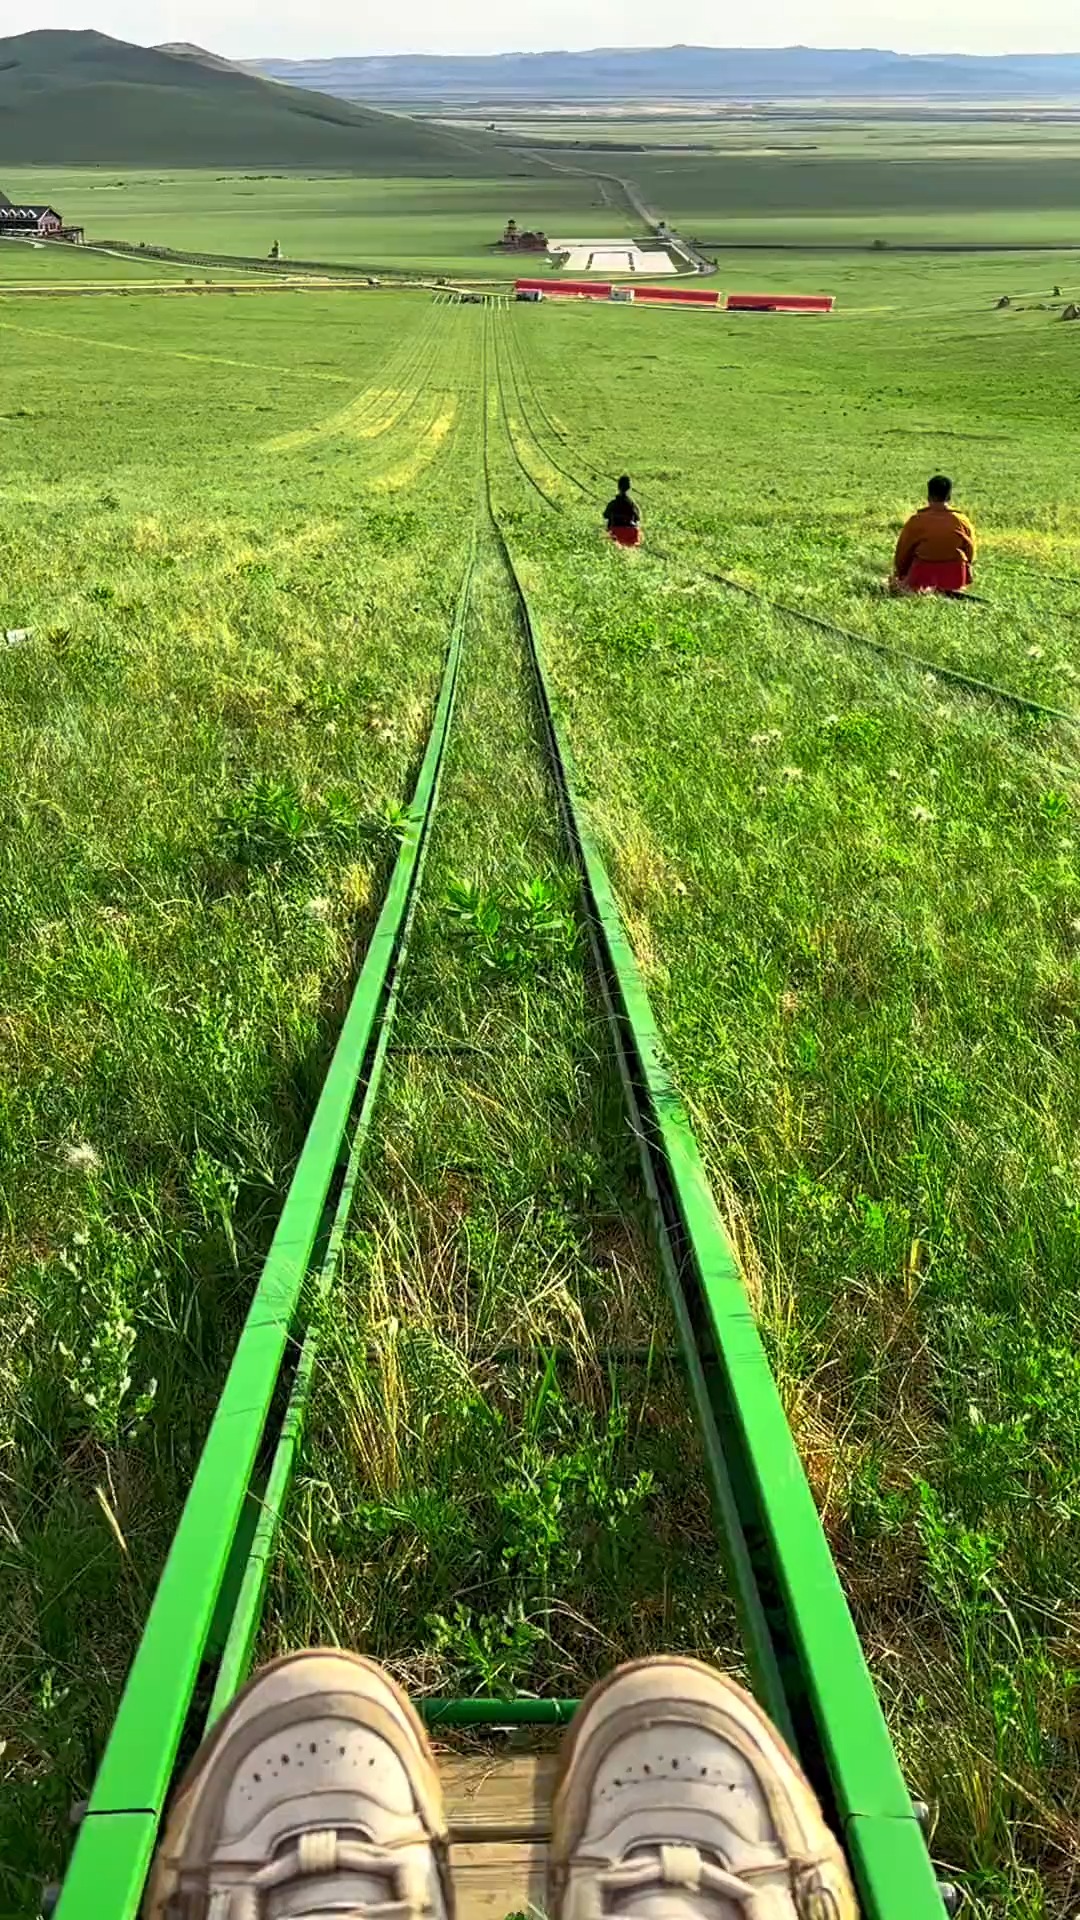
(642, 73)
(83, 98)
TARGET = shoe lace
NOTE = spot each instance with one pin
(685, 1867)
(322, 1852)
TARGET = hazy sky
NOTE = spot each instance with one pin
(298, 28)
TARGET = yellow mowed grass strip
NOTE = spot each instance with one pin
(402, 375)
(351, 422)
(342, 424)
(426, 450)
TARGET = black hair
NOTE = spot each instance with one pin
(624, 483)
(939, 489)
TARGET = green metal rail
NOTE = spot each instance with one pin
(228, 1522)
(804, 1654)
(799, 1637)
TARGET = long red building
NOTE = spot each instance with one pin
(780, 303)
(603, 290)
(681, 296)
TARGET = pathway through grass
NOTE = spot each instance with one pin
(502, 1488)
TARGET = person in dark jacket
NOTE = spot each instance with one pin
(622, 517)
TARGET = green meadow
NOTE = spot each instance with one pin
(235, 533)
(446, 225)
(847, 177)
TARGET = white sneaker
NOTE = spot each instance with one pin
(315, 1797)
(678, 1800)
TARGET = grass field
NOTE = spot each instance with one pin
(206, 740)
(24, 265)
(839, 186)
(236, 531)
(1010, 198)
(855, 898)
(855, 178)
(809, 129)
(435, 225)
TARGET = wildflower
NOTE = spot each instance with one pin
(831, 720)
(895, 773)
(789, 1002)
(767, 739)
(319, 908)
(922, 816)
(761, 792)
(1034, 653)
(82, 1158)
(792, 773)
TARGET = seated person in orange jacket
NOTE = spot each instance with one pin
(936, 550)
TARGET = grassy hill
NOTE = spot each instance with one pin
(78, 98)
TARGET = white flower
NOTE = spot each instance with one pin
(831, 720)
(320, 908)
(82, 1157)
(922, 816)
(767, 739)
(1034, 653)
(895, 773)
(792, 773)
(761, 792)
